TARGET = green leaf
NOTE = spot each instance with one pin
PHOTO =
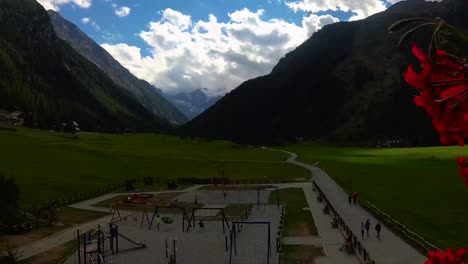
(403, 22)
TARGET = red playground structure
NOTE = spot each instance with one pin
(140, 198)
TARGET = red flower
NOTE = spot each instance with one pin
(463, 168)
(444, 89)
(447, 257)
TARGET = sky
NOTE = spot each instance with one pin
(185, 45)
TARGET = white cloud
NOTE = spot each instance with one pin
(134, 62)
(122, 11)
(89, 21)
(85, 20)
(188, 55)
(55, 4)
(360, 8)
(313, 22)
(396, 1)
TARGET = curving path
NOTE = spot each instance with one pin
(390, 249)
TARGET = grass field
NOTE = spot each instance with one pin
(299, 254)
(235, 210)
(48, 165)
(420, 187)
(298, 222)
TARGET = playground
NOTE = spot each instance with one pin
(222, 226)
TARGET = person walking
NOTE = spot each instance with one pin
(363, 227)
(158, 221)
(355, 196)
(378, 227)
(367, 226)
(350, 198)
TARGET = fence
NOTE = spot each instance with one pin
(357, 246)
(419, 242)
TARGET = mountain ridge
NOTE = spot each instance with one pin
(47, 79)
(344, 84)
(146, 94)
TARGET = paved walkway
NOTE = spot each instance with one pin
(331, 239)
(390, 249)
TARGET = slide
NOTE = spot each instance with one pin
(138, 244)
(141, 199)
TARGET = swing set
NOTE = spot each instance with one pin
(116, 215)
(223, 217)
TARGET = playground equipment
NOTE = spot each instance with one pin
(116, 209)
(223, 218)
(98, 246)
(167, 220)
(233, 237)
(171, 255)
(182, 209)
(143, 198)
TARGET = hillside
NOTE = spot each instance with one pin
(146, 94)
(47, 79)
(344, 84)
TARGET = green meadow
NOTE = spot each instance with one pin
(49, 165)
(420, 187)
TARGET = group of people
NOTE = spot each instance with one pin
(348, 244)
(366, 226)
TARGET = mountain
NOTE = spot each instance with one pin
(146, 94)
(344, 84)
(194, 103)
(44, 77)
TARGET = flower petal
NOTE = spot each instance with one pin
(419, 53)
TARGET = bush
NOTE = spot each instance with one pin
(9, 191)
(129, 185)
(9, 215)
(148, 181)
(9, 195)
(171, 184)
(191, 181)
